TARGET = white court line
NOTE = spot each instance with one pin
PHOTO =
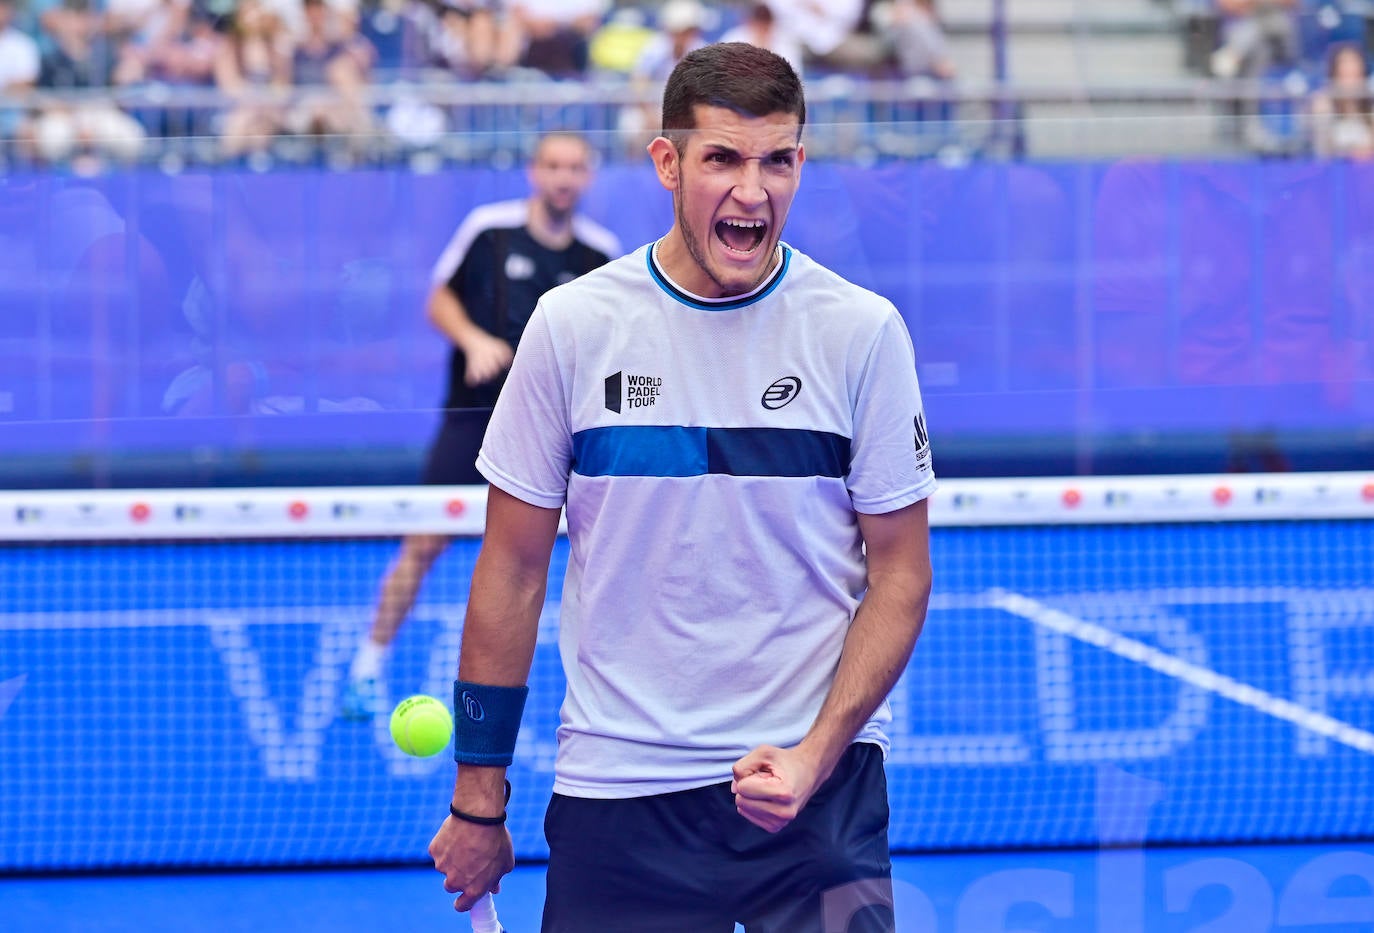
(190, 617)
(314, 615)
(1201, 677)
(1188, 596)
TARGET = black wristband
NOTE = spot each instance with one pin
(481, 820)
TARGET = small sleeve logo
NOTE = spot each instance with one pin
(922, 440)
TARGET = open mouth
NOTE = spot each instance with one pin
(741, 236)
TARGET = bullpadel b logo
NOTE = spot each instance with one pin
(781, 393)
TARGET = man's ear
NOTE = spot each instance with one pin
(666, 163)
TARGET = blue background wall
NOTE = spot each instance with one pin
(185, 328)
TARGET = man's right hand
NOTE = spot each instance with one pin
(487, 358)
(472, 859)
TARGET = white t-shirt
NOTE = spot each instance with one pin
(656, 60)
(782, 42)
(821, 24)
(562, 11)
(711, 456)
(19, 60)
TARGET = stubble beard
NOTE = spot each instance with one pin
(558, 216)
(699, 256)
(694, 246)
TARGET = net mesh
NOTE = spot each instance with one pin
(170, 686)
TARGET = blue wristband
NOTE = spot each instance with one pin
(486, 721)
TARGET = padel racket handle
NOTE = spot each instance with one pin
(483, 916)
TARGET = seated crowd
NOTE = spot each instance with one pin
(239, 76)
(244, 73)
(1290, 46)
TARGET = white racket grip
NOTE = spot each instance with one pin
(483, 916)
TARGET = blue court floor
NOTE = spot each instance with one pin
(1304, 889)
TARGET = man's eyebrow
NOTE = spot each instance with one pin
(728, 150)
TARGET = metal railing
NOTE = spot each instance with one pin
(852, 118)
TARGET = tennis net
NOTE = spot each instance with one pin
(1106, 660)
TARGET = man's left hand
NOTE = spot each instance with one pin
(772, 785)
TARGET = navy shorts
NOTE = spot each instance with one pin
(689, 863)
(452, 458)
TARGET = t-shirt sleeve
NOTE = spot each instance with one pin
(527, 450)
(890, 457)
(447, 266)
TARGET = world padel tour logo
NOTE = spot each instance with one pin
(624, 390)
(781, 393)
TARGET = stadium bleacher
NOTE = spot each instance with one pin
(1046, 72)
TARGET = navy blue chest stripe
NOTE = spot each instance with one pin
(654, 450)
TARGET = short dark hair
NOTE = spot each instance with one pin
(737, 75)
(550, 135)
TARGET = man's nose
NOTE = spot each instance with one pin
(749, 188)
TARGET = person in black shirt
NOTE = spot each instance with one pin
(502, 258)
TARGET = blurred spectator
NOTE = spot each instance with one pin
(82, 54)
(901, 37)
(19, 67)
(291, 13)
(1256, 36)
(83, 132)
(680, 30)
(467, 39)
(830, 32)
(138, 21)
(182, 53)
(253, 70)
(761, 27)
(616, 46)
(553, 35)
(916, 37)
(680, 25)
(20, 62)
(331, 63)
(1343, 112)
(397, 30)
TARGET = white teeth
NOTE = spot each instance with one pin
(745, 224)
